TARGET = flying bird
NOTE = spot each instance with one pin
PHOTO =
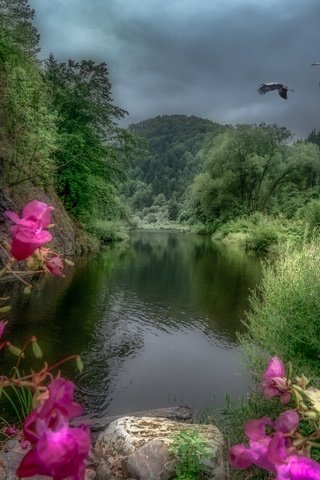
(268, 87)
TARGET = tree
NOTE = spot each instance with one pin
(16, 18)
(246, 168)
(27, 120)
(90, 158)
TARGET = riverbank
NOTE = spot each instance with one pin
(263, 233)
(284, 322)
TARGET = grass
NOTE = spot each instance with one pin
(284, 320)
(263, 233)
(285, 312)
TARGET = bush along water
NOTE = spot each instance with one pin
(53, 447)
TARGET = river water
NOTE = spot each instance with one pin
(154, 320)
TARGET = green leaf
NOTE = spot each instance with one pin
(5, 309)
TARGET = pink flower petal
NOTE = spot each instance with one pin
(12, 216)
(240, 457)
(275, 369)
(256, 429)
(278, 448)
(3, 324)
(55, 266)
(287, 422)
(38, 211)
(29, 465)
(298, 468)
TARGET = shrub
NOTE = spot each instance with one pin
(107, 231)
(261, 236)
(189, 447)
(151, 218)
(284, 319)
(310, 214)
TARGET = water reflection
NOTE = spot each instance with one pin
(154, 320)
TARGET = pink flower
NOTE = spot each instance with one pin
(54, 411)
(28, 233)
(59, 454)
(287, 422)
(257, 453)
(266, 451)
(56, 449)
(11, 430)
(275, 381)
(55, 266)
(298, 468)
(3, 324)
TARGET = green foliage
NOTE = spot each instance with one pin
(107, 231)
(28, 130)
(16, 18)
(261, 232)
(310, 214)
(251, 168)
(90, 160)
(171, 158)
(19, 402)
(314, 137)
(189, 447)
(284, 319)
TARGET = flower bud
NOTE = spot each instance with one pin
(14, 350)
(79, 363)
(311, 415)
(298, 389)
(69, 262)
(37, 352)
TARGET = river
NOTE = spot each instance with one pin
(154, 320)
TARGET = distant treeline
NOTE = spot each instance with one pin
(204, 172)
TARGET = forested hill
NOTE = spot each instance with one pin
(173, 156)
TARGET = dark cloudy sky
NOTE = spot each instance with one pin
(196, 57)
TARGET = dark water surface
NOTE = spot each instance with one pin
(154, 320)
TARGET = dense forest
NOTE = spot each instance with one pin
(199, 172)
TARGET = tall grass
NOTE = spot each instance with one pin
(262, 232)
(285, 321)
(285, 312)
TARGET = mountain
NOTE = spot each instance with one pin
(174, 144)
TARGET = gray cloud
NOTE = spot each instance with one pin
(202, 57)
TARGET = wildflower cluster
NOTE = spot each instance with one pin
(278, 446)
(54, 447)
(29, 235)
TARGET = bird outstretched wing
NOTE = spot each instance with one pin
(283, 92)
(268, 87)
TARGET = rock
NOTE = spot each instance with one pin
(181, 413)
(126, 435)
(152, 461)
(90, 474)
(103, 471)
